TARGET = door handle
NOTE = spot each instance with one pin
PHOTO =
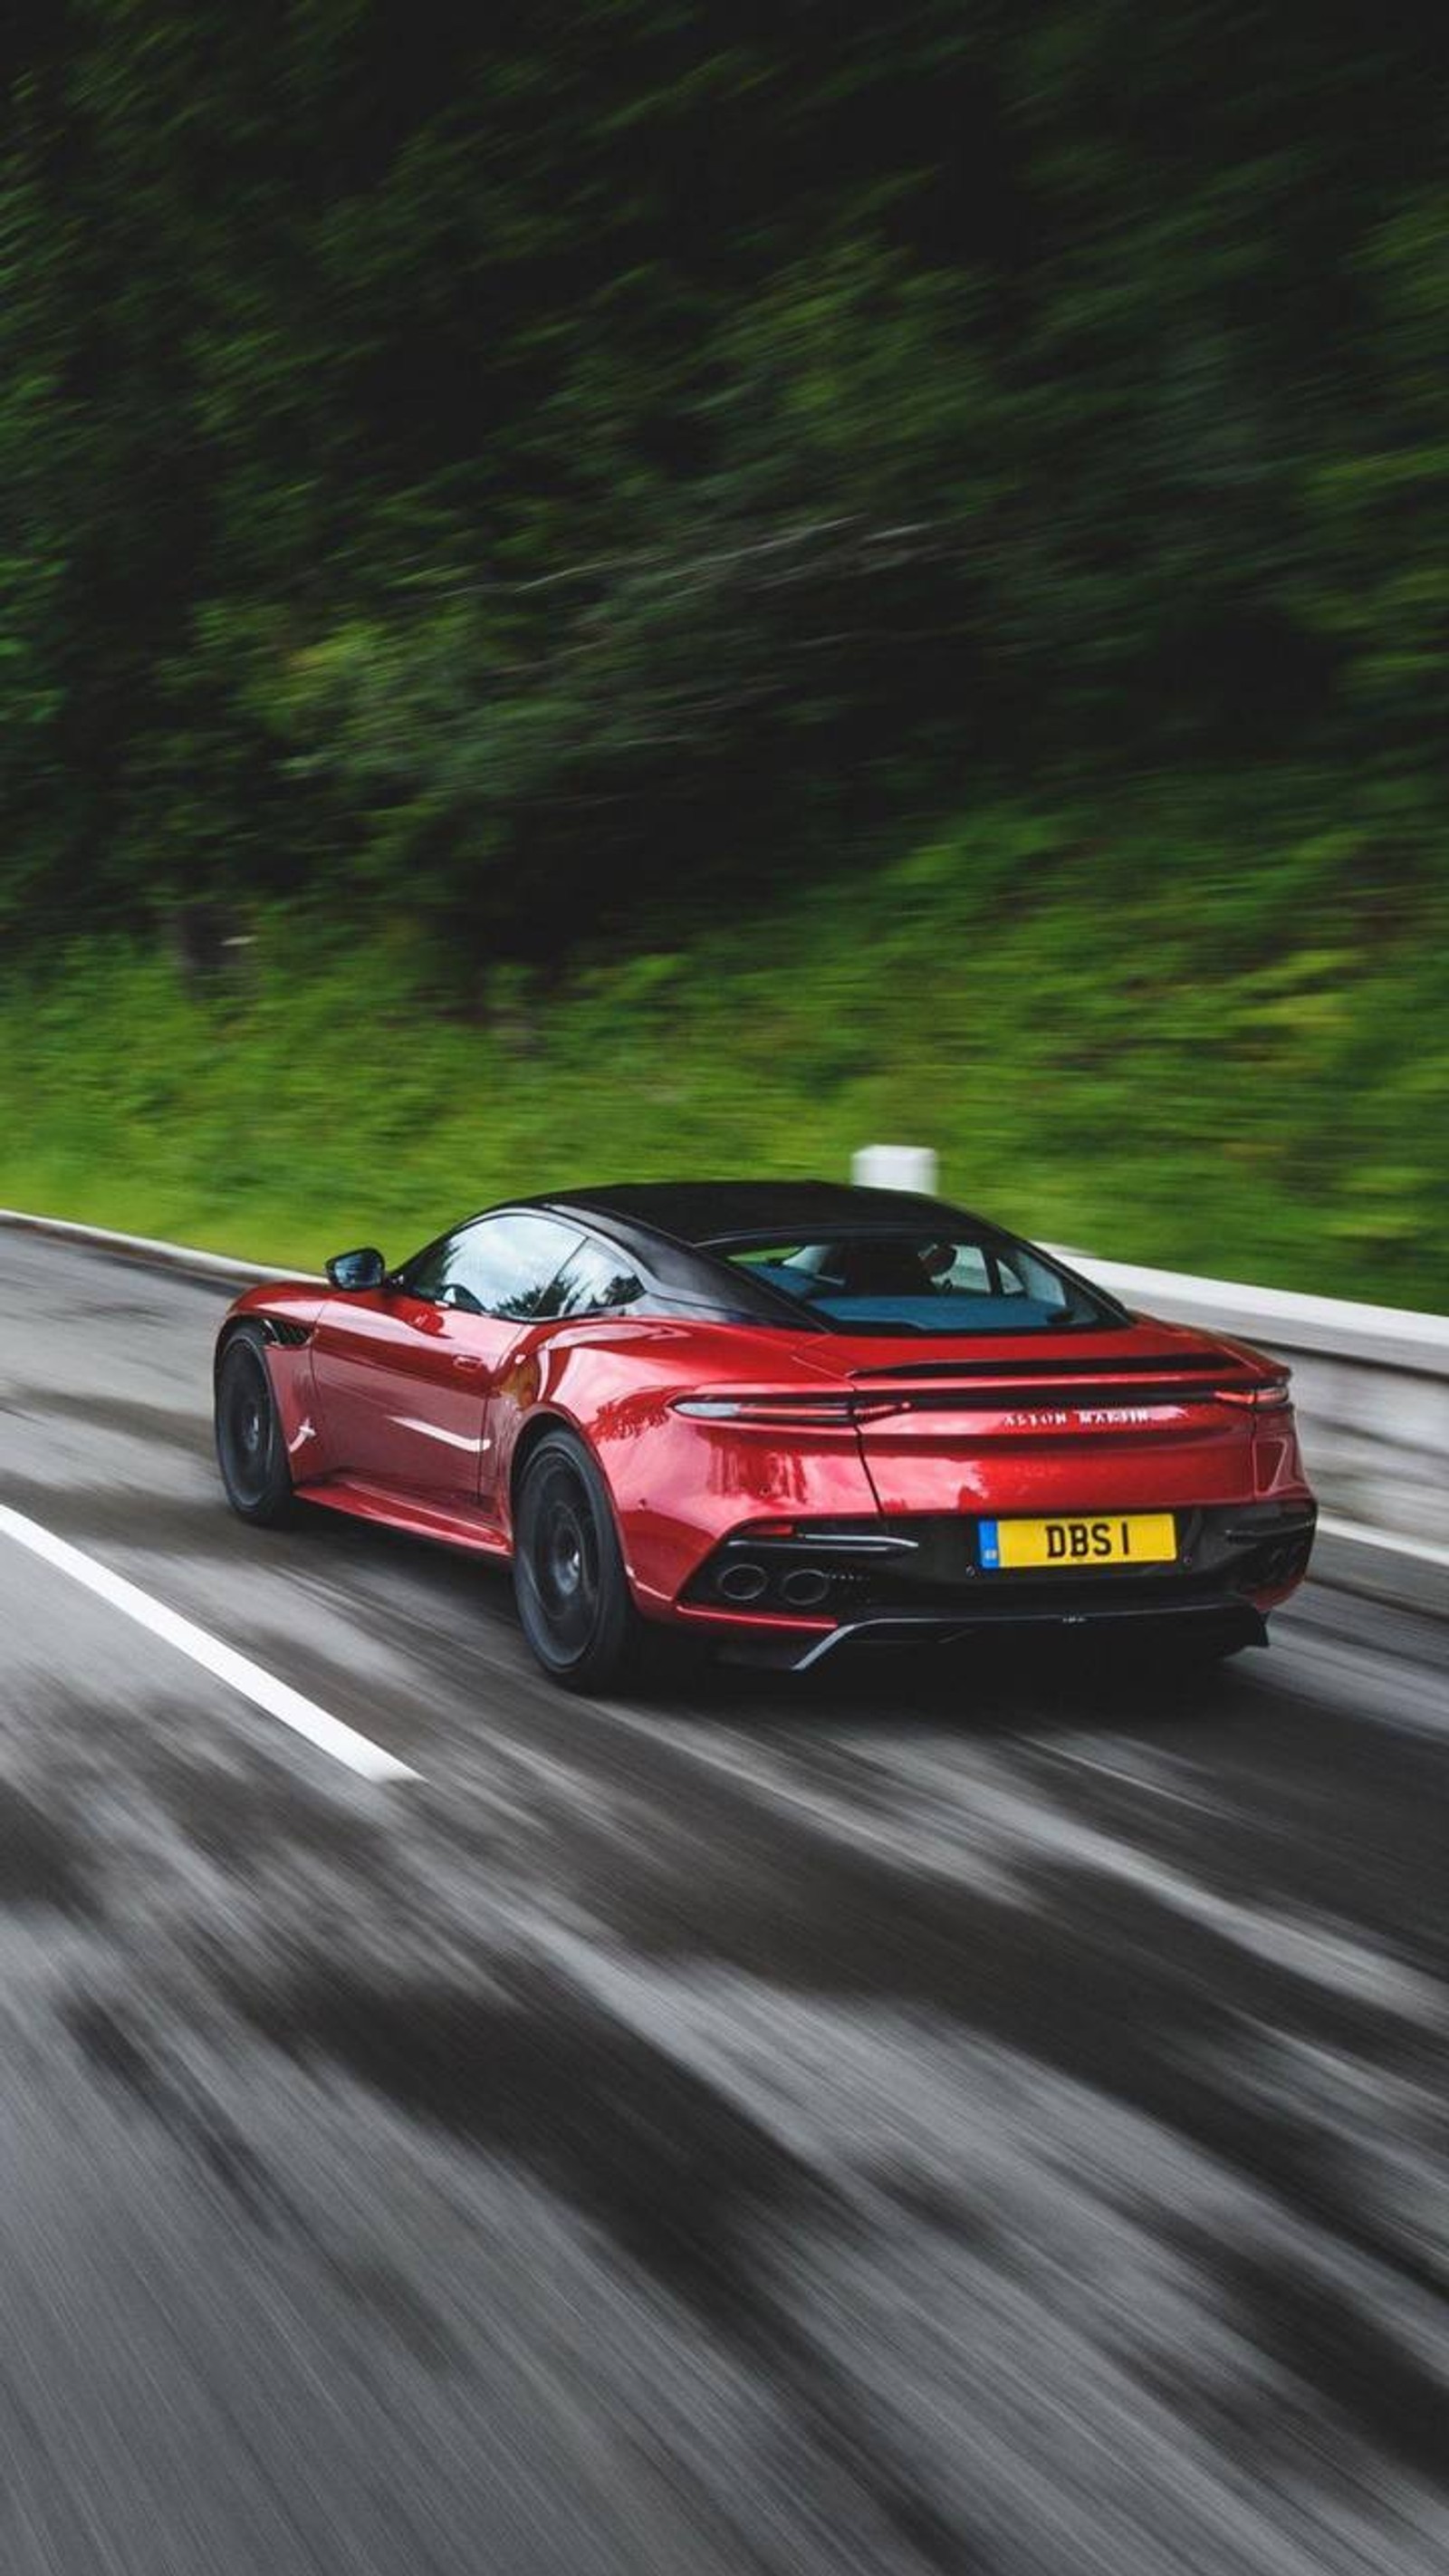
(467, 1360)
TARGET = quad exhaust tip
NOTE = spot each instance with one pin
(805, 1587)
(744, 1582)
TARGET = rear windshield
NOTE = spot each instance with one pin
(916, 1283)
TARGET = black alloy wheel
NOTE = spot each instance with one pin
(250, 1449)
(568, 1569)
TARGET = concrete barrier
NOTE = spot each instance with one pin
(1371, 1384)
(152, 1249)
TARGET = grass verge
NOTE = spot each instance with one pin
(1170, 1040)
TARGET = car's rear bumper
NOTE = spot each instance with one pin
(1221, 1625)
(914, 1581)
(1205, 1627)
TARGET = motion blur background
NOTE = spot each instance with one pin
(652, 587)
(657, 587)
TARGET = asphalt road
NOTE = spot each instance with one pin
(948, 2118)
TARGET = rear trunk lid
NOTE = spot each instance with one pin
(1052, 1421)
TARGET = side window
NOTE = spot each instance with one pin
(503, 1265)
(968, 1274)
(597, 1279)
(1035, 1281)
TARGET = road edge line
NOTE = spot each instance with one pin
(276, 1698)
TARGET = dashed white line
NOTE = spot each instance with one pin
(279, 1700)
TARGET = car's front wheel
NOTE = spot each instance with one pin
(250, 1448)
(568, 1568)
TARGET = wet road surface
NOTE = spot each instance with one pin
(948, 2118)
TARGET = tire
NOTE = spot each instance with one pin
(250, 1450)
(568, 1568)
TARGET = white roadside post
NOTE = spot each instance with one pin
(895, 1167)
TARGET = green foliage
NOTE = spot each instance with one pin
(530, 485)
(1194, 1038)
(524, 458)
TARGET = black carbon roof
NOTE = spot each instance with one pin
(702, 1213)
(681, 1235)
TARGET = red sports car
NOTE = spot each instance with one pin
(780, 1415)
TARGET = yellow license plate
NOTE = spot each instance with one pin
(1073, 1544)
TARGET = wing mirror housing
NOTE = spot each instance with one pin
(363, 1269)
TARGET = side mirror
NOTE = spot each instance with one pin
(364, 1269)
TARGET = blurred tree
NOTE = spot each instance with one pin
(534, 458)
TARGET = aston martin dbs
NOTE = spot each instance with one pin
(778, 1416)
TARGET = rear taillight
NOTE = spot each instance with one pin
(770, 1412)
(1270, 1395)
(766, 1409)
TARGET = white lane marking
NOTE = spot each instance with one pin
(1427, 1551)
(329, 1734)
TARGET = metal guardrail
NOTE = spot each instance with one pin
(1377, 1336)
(151, 1248)
(1370, 1383)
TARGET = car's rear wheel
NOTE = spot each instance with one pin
(250, 1449)
(568, 1568)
